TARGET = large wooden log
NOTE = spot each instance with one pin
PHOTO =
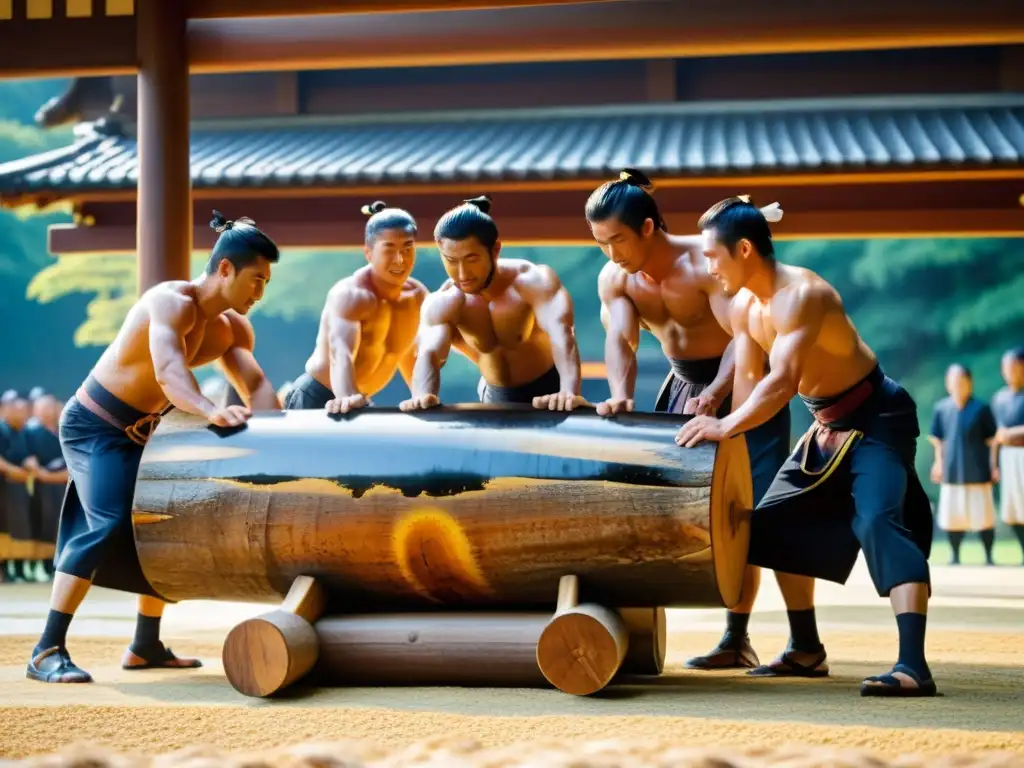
(470, 507)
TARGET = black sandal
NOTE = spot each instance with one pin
(726, 656)
(893, 686)
(54, 665)
(158, 658)
(786, 666)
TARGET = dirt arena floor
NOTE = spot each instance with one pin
(975, 646)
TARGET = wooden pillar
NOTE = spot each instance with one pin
(164, 224)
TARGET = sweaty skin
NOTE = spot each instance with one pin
(366, 334)
(812, 347)
(514, 330)
(164, 336)
(684, 310)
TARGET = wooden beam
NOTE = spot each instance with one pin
(222, 9)
(164, 230)
(64, 47)
(562, 230)
(616, 30)
(568, 31)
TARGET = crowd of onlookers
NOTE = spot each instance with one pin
(979, 446)
(32, 482)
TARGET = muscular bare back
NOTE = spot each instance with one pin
(804, 328)
(378, 332)
(679, 310)
(501, 334)
(164, 325)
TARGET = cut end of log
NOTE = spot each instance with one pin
(581, 650)
(266, 654)
(731, 490)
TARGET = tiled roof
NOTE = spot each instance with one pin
(719, 139)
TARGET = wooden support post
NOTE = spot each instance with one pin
(266, 654)
(647, 641)
(164, 220)
(582, 647)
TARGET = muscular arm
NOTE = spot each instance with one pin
(171, 317)
(622, 334)
(344, 332)
(433, 343)
(750, 363)
(552, 306)
(241, 369)
(794, 342)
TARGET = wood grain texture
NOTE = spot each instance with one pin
(478, 648)
(266, 654)
(582, 648)
(466, 507)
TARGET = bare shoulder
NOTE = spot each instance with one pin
(415, 290)
(536, 278)
(172, 303)
(804, 297)
(351, 298)
(241, 328)
(611, 281)
(740, 306)
(443, 305)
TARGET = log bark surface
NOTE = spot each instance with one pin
(476, 648)
(468, 507)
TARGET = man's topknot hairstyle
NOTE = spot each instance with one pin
(471, 219)
(628, 199)
(382, 218)
(737, 218)
(240, 242)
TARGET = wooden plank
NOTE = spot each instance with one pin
(641, 29)
(64, 47)
(549, 230)
(220, 9)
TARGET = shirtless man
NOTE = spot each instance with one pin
(173, 327)
(369, 321)
(660, 282)
(514, 319)
(850, 485)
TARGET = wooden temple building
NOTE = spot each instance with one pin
(885, 118)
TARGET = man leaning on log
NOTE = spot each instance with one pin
(175, 326)
(660, 282)
(368, 323)
(850, 485)
(511, 317)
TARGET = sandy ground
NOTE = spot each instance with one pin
(974, 644)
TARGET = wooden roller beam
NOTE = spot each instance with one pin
(222, 9)
(582, 648)
(264, 655)
(640, 29)
(647, 641)
(467, 649)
